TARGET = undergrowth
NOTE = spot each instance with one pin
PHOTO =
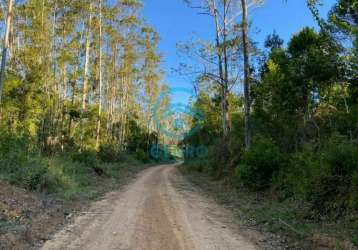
(70, 174)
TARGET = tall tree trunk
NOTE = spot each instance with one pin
(98, 133)
(86, 70)
(221, 70)
(86, 73)
(226, 75)
(245, 41)
(6, 45)
(54, 93)
(73, 85)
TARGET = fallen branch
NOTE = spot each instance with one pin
(290, 227)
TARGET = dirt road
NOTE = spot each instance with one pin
(153, 213)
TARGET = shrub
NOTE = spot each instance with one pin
(109, 153)
(35, 175)
(260, 164)
(354, 192)
(332, 191)
(341, 157)
(87, 158)
(13, 150)
(220, 159)
(141, 155)
(295, 180)
(329, 194)
(324, 177)
(198, 165)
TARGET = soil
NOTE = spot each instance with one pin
(27, 219)
(153, 213)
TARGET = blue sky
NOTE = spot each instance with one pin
(175, 22)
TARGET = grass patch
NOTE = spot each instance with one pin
(68, 178)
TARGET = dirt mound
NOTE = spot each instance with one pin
(26, 219)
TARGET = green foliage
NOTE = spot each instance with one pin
(353, 202)
(311, 118)
(332, 189)
(36, 175)
(343, 17)
(68, 175)
(197, 166)
(13, 149)
(271, 213)
(305, 99)
(341, 157)
(109, 153)
(295, 180)
(325, 177)
(65, 104)
(141, 155)
(87, 158)
(259, 165)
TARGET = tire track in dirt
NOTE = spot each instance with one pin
(151, 213)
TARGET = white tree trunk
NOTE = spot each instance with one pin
(6, 45)
(86, 70)
(98, 134)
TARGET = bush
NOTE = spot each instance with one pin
(260, 164)
(329, 195)
(221, 162)
(109, 153)
(198, 165)
(87, 158)
(68, 174)
(341, 157)
(332, 190)
(35, 175)
(295, 180)
(13, 150)
(326, 178)
(354, 192)
(141, 155)
(20, 165)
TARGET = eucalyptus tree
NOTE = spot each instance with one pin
(87, 55)
(6, 44)
(77, 65)
(100, 65)
(219, 59)
(245, 5)
(151, 77)
(231, 44)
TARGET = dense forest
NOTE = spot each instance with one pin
(80, 81)
(293, 133)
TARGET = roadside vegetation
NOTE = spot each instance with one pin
(80, 84)
(301, 163)
(69, 174)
